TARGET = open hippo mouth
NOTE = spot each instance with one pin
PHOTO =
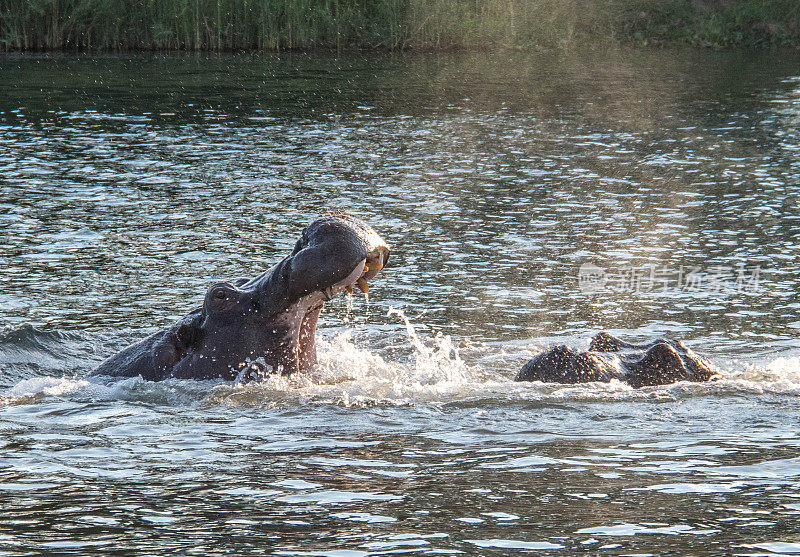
(267, 324)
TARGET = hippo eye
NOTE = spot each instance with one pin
(219, 294)
(221, 297)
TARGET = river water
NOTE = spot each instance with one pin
(530, 199)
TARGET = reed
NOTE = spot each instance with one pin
(443, 24)
(199, 24)
(118, 25)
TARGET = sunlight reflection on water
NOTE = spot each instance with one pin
(496, 178)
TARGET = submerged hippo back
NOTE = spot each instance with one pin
(563, 364)
(659, 362)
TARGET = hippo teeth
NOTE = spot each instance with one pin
(349, 289)
(362, 285)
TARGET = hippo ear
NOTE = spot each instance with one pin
(172, 346)
(185, 334)
(188, 331)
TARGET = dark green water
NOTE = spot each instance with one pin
(502, 181)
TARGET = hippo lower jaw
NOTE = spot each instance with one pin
(267, 324)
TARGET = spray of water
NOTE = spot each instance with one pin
(432, 371)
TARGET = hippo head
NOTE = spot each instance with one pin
(268, 324)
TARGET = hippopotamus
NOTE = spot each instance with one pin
(266, 324)
(659, 362)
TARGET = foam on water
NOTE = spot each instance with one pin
(37, 387)
(171, 392)
(786, 369)
(350, 375)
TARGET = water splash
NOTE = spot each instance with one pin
(348, 308)
(416, 368)
(349, 375)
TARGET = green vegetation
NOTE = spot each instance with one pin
(714, 23)
(393, 24)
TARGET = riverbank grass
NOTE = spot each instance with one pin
(217, 25)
